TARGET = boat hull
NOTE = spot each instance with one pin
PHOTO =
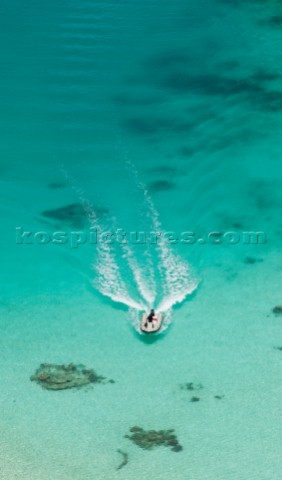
(151, 327)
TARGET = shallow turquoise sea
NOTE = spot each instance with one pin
(155, 117)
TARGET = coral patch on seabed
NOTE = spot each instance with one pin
(160, 186)
(124, 459)
(274, 21)
(195, 399)
(74, 214)
(152, 438)
(277, 310)
(57, 185)
(252, 260)
(61, 377)
(191, 386)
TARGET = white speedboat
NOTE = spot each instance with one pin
(153, 325)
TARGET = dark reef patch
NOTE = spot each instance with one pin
(160, 186)
(273, 21)
(252, 260)
(187, 151)
(150, 126)
(177, 448)
(124, 459)
(195, 399)
(211, 84)
(62, 377)
(229, 222)
(277, 310)
(152, 438)
(57, 185)
(264, 194)
(269, 101)
(191, 386)
(73, 214)
(252, 88)
(264, 75)
(177, 73)
(219, 397)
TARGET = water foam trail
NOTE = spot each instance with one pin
(176, 276)
(177, 280)
(146, 286)
(110, 282)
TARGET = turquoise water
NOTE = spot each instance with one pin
(150, 116)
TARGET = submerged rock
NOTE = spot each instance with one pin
(153, 438)
(195, 399)
(177, 448)
(160, 186)
(57, 185)
(274, 21)
(191, 386)
(73, 214)
(252, 260)
(136, 429)
(277, 310)
(61, 377)
(124, 459)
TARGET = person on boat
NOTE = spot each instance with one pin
(152, 322)
(151, 316)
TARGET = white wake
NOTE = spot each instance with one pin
(159, 280)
